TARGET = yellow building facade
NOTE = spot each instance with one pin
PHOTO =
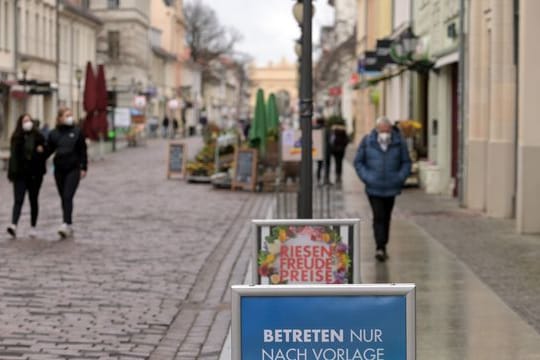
(374, 22)
(275, 78)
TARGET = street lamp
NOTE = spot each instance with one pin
(78, 76)
(25, 66)
(113, 125)
(298, 12)
(303, 13)
(298, 48)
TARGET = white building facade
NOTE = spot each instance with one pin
(8, 73)
(78, 29)
(124, 46)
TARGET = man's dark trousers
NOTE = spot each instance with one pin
(382, 214)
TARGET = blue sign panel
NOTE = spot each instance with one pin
(323, 327)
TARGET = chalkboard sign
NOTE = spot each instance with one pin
(245, 171)
(176, 164)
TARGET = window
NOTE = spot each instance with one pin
(113, 4)
(85, 4)
(113, 41)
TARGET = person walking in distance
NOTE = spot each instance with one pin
(174, 128)
(70, 164)
(338, 143)
(382, 162)
(26, 170)
(165, 126)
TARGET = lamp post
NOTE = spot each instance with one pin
(25, 66)
(113, 125)
(303, 12)
(78, 76)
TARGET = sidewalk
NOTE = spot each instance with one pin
(506, 261)
(453, 257)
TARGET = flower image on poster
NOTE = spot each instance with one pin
(292, 254)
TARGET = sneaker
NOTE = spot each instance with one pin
(65, 231)
(381, 255)
(12, 230)
(33, 232)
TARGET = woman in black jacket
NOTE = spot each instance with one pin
(26, 170)
(70, 163)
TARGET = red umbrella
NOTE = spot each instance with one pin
(89, 102)
(101, 125)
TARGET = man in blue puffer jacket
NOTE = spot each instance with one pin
(383, 164)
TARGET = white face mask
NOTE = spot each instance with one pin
(384, 138)
(69, 120)
(28, 126)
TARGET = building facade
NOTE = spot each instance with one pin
(278, 78)
(124, 46)
(168, 17)
(398, 88)
(503, 138)
(492, 117)
(436, 23)
(37, 62)
(78, 29)
(374, 23)
(8, 67)
(162, 82)
(528, 149)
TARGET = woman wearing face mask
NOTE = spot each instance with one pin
(26, 170)
(383, 164)
(70, 164)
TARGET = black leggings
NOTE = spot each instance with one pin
(32, 184)
(67, 183)
(338, 158)
(382, 215)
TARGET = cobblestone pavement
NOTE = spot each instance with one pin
(146, 276)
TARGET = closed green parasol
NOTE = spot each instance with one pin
(258, 130)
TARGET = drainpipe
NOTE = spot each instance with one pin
(461, 105)
(516, 122)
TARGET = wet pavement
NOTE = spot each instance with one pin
(458, 315)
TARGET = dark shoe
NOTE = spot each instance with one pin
(12, 230)
(381, 255)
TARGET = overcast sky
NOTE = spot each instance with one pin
(268, 26)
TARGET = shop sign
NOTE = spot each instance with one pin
(324, 322)
(384, 47)
(369, 63)
(306, 252)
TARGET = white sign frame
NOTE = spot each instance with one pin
(239, 291)
(356, 240)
